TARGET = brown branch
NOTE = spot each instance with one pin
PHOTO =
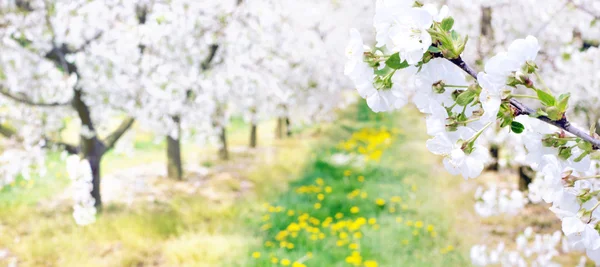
(112, 139)
(71, 149)
(25, 101)
(522, 109)
(209, 58)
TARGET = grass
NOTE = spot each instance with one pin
(412, 227)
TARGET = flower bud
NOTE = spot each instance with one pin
(438, 87)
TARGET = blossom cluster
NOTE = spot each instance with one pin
(417, 58)
(80, 173)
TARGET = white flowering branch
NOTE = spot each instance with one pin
(522, 109)
(29, 102)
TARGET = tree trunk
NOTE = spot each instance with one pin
(288, 127)
(93, 150)
(95, 166)
(494, 152)
(253, 141)
(223, 151)
(174, 165)
(279, 128)
(526, 175)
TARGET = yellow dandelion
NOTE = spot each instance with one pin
(268, 244)
(290, 246)
(285, 262)
(419, 224)
(347, 173)
(320, 196)
(429, 228)
(320, 181)
(396, 199)
(343, 235)
(274, 260)
(372, 221)
(291, 213)
(399, 219)
(298, 264)
(340, 243)
(339, 215)
(357, 235)
(353, 246)
(317, 206)
(328, 189)
(450, 248)
(363, 195)
(361, 178)
(409, 223)
(256, 255)
(354, 209)
(370, 264)
(380, 202)
(392, 209)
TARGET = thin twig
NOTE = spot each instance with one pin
(522, 109)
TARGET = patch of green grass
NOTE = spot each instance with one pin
(193, 230)
(352, 216)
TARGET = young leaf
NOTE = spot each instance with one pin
(546, 98)
(447, 23)
(517, 127)
(563, 101)
(434, 49)
(395, 63)
(465, 98)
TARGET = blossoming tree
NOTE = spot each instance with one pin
(418, 58)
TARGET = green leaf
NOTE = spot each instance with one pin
(517, 127)
(553, 113)
(563, 102)
(395, 63)
(447, 23)
(465, 98)
(546, 98)
(384, 71)
(434, 49)
(454, 35)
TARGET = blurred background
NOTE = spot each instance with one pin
(224, 133)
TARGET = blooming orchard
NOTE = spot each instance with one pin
(417, 58)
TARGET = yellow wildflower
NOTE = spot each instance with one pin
(380, 202)
(370, 264)
(317, 206)
(285, 262)
(256, 255)
(354, 209)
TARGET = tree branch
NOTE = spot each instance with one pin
(522, 109)
(112, 139)
(209, 58)
(25, 101)
(71, 149)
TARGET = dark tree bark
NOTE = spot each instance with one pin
(223, 150)
(494, 152)
(174, 162)
(253, 137)
(288, 127)
(526, 175)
